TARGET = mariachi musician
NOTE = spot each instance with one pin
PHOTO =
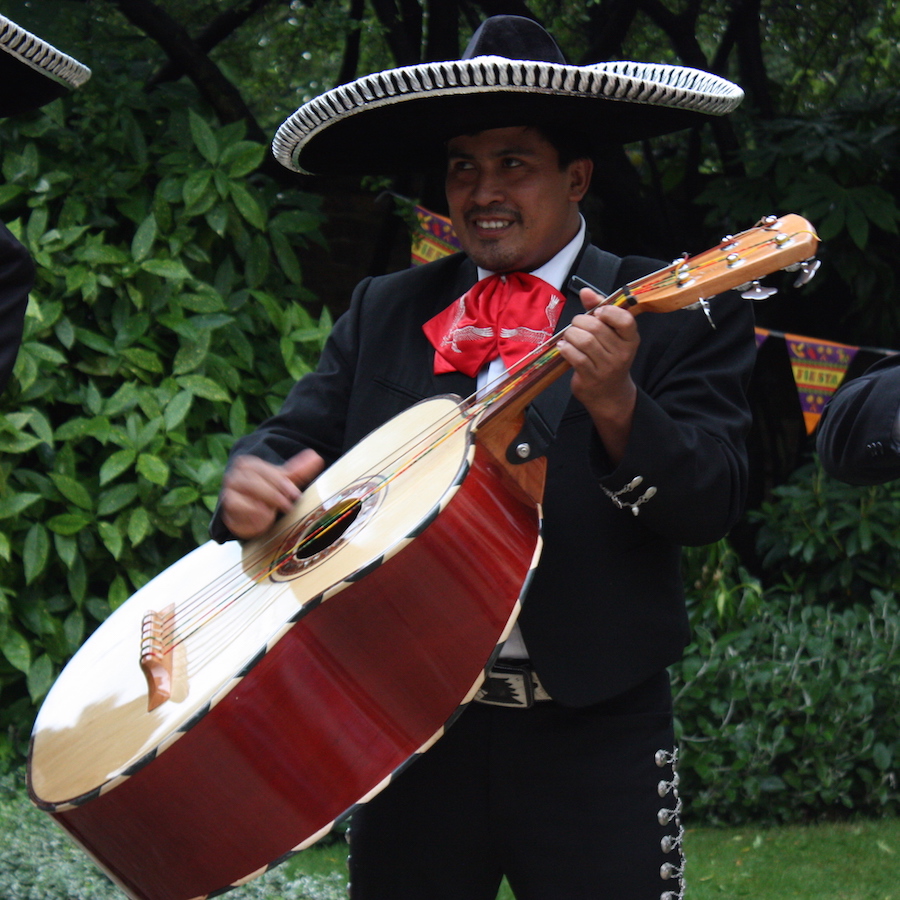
(560, 775)
(32, 73)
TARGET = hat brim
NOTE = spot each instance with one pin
(32, 71)
(397, 120)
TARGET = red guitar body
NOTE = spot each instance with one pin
(319, 720)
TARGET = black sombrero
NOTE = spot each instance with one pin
(512, 73)
(32, 72)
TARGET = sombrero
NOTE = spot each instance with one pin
(32, 72)
(511, 73)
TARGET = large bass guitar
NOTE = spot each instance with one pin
(251, 695)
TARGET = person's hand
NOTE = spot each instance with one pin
(601, 346)
(255, 492)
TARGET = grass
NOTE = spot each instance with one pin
(856, 860)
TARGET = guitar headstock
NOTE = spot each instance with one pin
(774, 243)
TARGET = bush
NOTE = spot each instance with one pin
(829, 541)
(794, 717)
(166, 321)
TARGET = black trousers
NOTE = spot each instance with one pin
(564, 802)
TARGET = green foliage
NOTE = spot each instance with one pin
(837, 170)
(788, 699)
(795, 715)
(828, 541)
(166, 321)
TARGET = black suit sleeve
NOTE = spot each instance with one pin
(855, 437)
(16, 280)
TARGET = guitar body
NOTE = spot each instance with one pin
(299, 688)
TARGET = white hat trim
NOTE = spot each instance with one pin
(676, 87)
(41, 56)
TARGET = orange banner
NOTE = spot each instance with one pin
(433, 239)
(819, 368)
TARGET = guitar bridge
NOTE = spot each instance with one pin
(156, 658)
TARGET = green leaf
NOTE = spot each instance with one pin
(242, 158)
(170, 269)
(247, 205)
(116, 498)
(16, 650)
(204, 387)
(15, 504)
(195, 186)
(68, 523)
(181, 496)
(143, 359)
(35, 552)
(73, 629)
(204, 137)
(287, 258)
(237, 418)
(115, 465)
(138, 526)
(118, 593)
(72, 490)
(144, 238)
(75, 429)
(66, 548)
(153, 468)
(124, 399)
(177, 409)
(111, 537)
(40, 677)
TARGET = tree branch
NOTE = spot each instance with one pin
(220, 28)
(174, 40)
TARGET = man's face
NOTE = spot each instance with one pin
(512, 206)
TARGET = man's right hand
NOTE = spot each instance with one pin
(255, 492)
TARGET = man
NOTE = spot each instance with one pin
(560, 775)
(858, 436)
(32, 73)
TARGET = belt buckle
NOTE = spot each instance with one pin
(506, 685)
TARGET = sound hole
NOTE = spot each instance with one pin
(328, 529)
(325, 530)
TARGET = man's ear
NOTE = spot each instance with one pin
(580, 171)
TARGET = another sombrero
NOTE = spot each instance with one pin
(512, 73)
(32, 72)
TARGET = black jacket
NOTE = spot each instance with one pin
(605, 609)
(854, 436)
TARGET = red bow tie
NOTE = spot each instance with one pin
(502, 315)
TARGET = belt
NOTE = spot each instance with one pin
(516, 686)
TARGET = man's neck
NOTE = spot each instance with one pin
(554, 271)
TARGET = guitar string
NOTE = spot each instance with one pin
(543, 354)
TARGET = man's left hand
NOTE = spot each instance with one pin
(600, 346)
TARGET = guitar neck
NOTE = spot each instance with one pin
(738, 260)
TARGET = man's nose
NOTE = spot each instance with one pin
(488, 189)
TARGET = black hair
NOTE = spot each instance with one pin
(569, 145)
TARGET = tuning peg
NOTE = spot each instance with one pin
(703, 305)
(807, 270)
(756, 291)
